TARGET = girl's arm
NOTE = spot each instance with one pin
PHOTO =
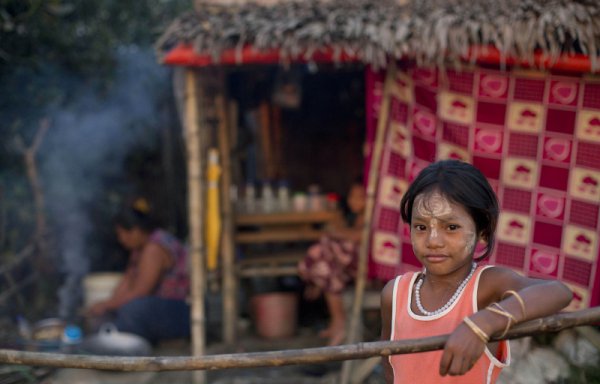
(150, 267)
(540, 298)
(386, 325)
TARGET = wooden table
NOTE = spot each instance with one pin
(257, 227)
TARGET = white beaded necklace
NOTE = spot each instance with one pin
(450, 302)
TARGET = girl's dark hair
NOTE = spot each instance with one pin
(131, 217)
(462, 184)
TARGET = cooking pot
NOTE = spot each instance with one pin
(109, 341)
(50, 329)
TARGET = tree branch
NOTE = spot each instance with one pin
(29, 154)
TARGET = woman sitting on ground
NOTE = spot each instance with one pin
(150, 300)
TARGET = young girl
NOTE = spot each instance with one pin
(450, 208)
(330, 265)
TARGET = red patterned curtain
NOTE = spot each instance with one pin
(535, 135)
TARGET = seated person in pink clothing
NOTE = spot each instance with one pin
(330, 265)
(450, 208)
(150, 300)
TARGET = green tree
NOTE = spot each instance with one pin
(52, 54)
(53, 50)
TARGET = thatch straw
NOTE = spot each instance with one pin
(429, 31)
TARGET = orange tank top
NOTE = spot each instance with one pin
(423, 368)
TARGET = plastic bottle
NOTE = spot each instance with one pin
(283, 196)
(333, 200)
(268, 197)
(315, 200)
(300, 202)
(250, 197)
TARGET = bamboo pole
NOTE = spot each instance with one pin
(196, 215)
(361, 274)
(553, 323)
(227, 245)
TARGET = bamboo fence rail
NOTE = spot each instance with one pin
(284, 357)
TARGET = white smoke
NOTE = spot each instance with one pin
(87, 144)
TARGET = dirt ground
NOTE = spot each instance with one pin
(299, 374)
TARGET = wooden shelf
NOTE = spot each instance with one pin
(278, 236)
(275, 271)
(273, 258)
(282, 218)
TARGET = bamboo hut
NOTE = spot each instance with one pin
(430, 58)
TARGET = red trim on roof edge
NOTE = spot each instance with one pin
(570, 63)
(184, 55)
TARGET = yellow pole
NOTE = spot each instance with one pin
(213, 214)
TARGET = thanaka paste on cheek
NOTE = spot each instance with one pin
(471, 242)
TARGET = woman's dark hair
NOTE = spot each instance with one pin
(131, 217)
(349, 216)
(462, 184)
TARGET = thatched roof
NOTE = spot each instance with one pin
(427, 30)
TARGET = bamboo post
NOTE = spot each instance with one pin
(553, 323)
(195, 166)
(361, 275)
(227, 245)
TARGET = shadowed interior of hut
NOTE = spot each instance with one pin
(300, 125)
(297, 147)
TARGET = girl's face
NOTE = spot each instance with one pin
(131, 239)
(443, 234)
(357, 198)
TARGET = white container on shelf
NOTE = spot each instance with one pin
(283, 196)
(249, 198)
(268, 198)
(300, 202)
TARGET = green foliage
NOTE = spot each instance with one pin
(52, 52)
(79, 35)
